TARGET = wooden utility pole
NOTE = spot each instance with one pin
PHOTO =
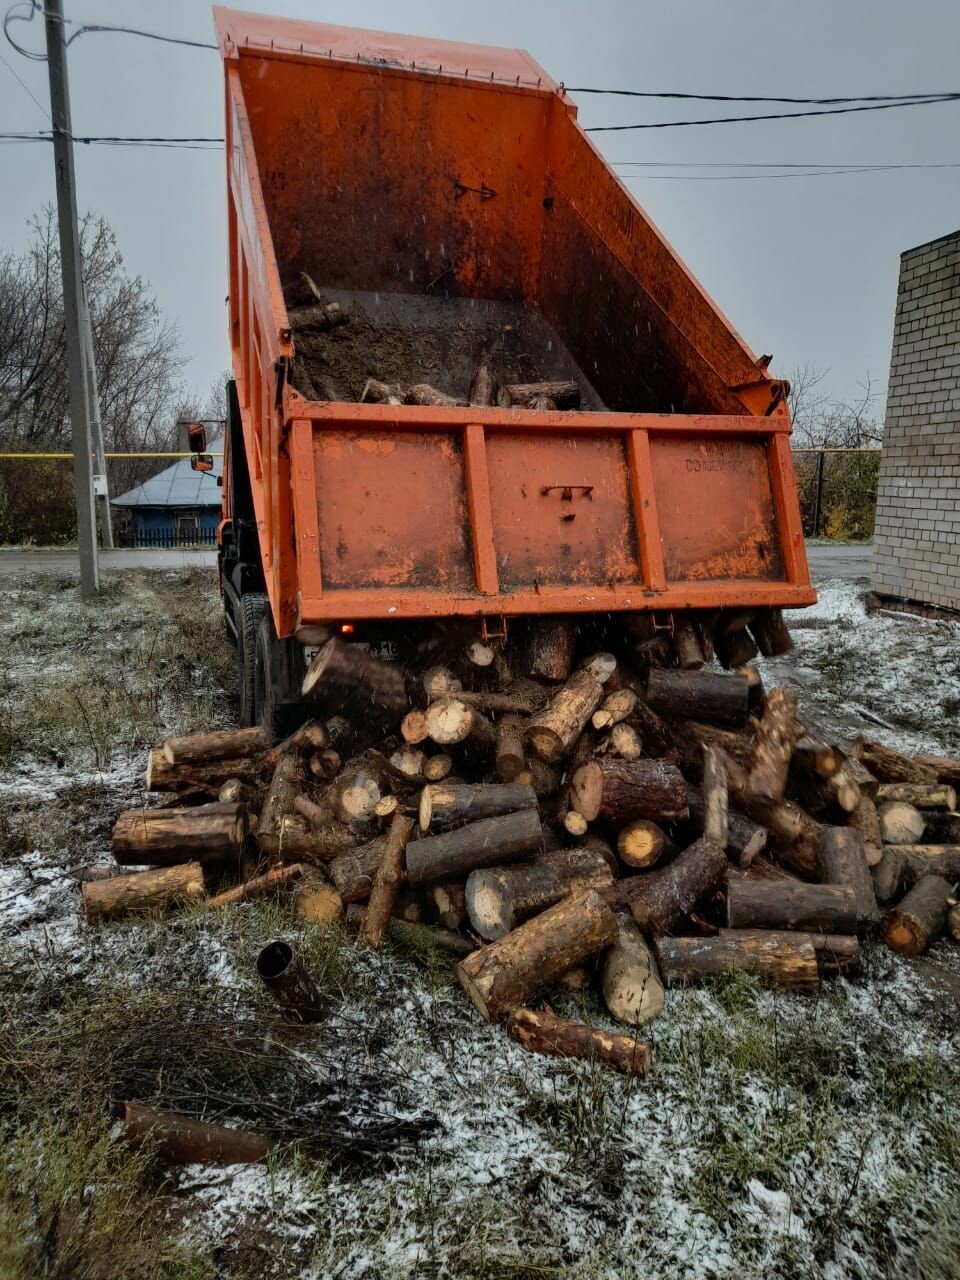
(73, 305)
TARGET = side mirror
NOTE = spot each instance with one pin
(201, 461)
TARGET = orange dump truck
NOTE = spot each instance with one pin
(420, 234)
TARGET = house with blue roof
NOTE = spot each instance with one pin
(179, 507)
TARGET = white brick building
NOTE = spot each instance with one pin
(917, 540)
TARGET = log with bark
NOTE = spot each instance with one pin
(423, 393)
(437, 767)
(619, 790)
(903, 865)
(299, 841)
(181, 1139)
(773, 746)
(200, 748)
(553, 731)
(510, 754)
(208, 777)
(452, 723)
(447, 904)
(784, 959)
(386, 880)
(484, 388)
(377, 392)
(506, 974)
(686, 644)
(699, 695)
(285, 786)
(352, 873)
(316, 902)
(564, 392)
(735, 647)
(922, 795)
(745, 838)
(444, 806)
(661, 899)
(888, 765)
(308, 738)
(165, 837)
(946, 768)
(500, 898)
(324, 764)
(953, 920)
(716, 805)
(770, 632)
(825, 908)
(629, 978)
(615, 708)
(552, 643)
(544, 779)
(690, 737)
(900, 823)
(837, 953)
(941, 827)
(866, 820)
(418, 937)
(258, 887)
(842, 861)
(487, 843)
(921, 916)
(142, 893)
(348, 672)
(543, 1032)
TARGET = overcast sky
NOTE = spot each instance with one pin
(805, 267)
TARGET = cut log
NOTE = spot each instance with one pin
(387, 806)
(866, 820)
(628, 976)
(423, 393)
(451, 723)
(200, 748)
(142, 893)
(699, 695)
(625, 742)
(552, 645)
(316, 902)
(544, 1032)
(904, 864)
(602, 666)
(506, 974)
(231, 792)
(258, 887)
(690, 737)
(842, 861)
(484, 388)
(352, 873)
(208, 778)
(837, 953)
(500, 898)
(386, 880)
(283, 974)
(454, 854)
(716, 824)
(953, 921)
(285, 786)
(349, 671)
(165, 837)
(443, 806)
(575, 824)
(745, 838)
(921, 916)
(317, 815)
(900, 823)
(922, 795)
(816, 754)
(544, 779)
(448, 904)
(858, 772)
(438, 682)
(437, 767)
(554, 730)
(661, 899)
(890, 766)
(413, 728)
(324, 764)
(310, 737)
(735, 647)
(181, 1139)
(418, 938)
(641, 844)
(942, 827)
(480, 654)
(784, 959)
(565, 393)
(686, 645)
(409, 761)
(619, 790)
(773, 746)
(510, 757)
(354, 796)
(616, 706)
(825, 908)
(770, 632)
(376, 392)
(298, 841)
(946, 768)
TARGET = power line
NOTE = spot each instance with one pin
(24, 86)
(736, 97)
(776, 115)
(767, 177)
(776, 164)
(148, 35)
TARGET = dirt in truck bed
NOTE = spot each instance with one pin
(413, 338)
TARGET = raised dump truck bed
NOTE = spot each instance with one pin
(446, 197)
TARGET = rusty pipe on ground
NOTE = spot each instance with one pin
(184, 1140)
(281, 970)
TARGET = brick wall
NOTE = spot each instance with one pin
(917, 539)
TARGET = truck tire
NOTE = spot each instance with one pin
(264, 677)
(254, 608)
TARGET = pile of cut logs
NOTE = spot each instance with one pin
(552, 818)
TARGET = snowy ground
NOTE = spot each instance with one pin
(776, 1137)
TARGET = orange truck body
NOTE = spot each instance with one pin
(380, 163)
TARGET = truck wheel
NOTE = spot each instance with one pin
(265, 683)
(253, 610)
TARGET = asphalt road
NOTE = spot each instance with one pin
(827, 560)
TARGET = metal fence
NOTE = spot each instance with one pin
(184, 539)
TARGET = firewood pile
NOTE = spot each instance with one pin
(555, 815)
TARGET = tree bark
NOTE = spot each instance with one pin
(376, 392)
(946, 768)
(210, 777)
(310, 737)
(481, 844)
(686, 645)
(808, 907)
(544, 1032)
(661, 899)
(317, 815)
(423, 393)
(554, 730)
(784, 959)
(417, 936)
(900, 823)
(349, 671)
(484, 388)
(500, 977)
(386, 881)
(352, 873)
(544, 779)
(922, 795)
(690, 738)
(760, 870)
(770, 632)
(142, 892)
(842, 861)
(699, 695)
(735, 647)
(565, 393)
(890, 766)
(745, 838)
(444, 806)
(317, 844)
(181, 1139)
(866, 820)
(628, 976)
(836, 953)
(773, 746)
(165, 837)
(500, 898)
(904, 864)
(942, 828)
(552, 645)
(912, 926)
(619, 790)
(510, 757)
(641, 844)
(201, 748)
(258, 887)
(283, 790)
(716, 821)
